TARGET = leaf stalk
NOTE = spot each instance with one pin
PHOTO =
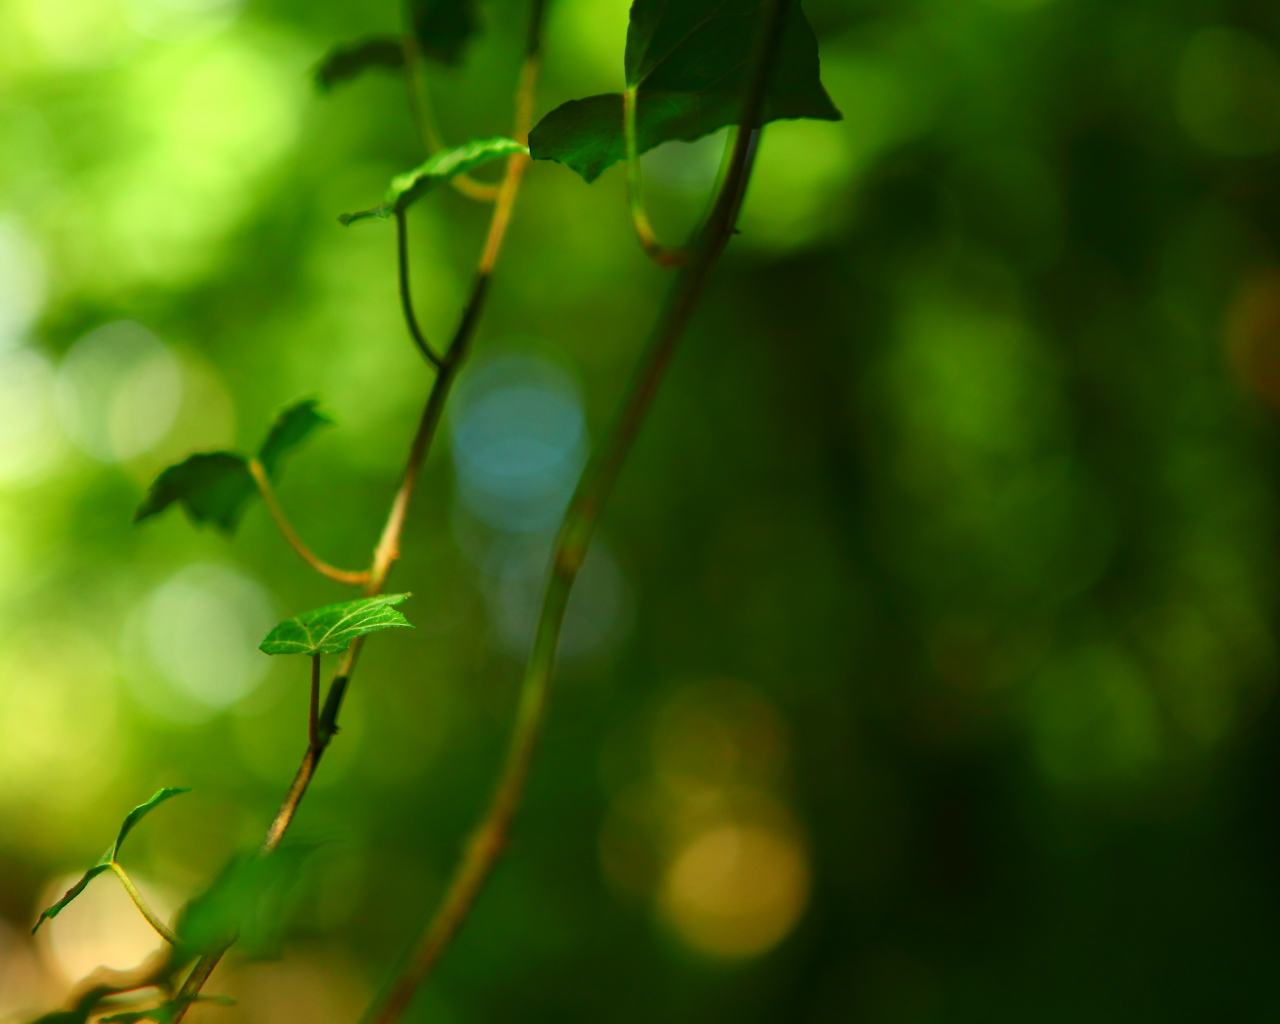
(161, 928)
(349, 577)
(662, 255)
(406, 294)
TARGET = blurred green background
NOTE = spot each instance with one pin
(924, 669)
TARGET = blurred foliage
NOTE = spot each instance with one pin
(925, 671)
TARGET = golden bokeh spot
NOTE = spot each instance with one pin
(1252, 335)
(718, 734)
(736, 890)
(100, 928)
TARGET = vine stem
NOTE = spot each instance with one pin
(662, 255)
(161, 928)
(313, 720)
(576, 530)
(388, 548)
(406, 292)
(268, 493)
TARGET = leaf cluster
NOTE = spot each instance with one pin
(216, 487)
(687, 62)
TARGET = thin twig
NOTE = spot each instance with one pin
(576, 530)
(388, 547)
(663, 255)
(349, 577)
(406, 294)
(161, 928)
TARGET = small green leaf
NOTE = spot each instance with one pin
(331, 629)
(214, 487)
(349, 60)
(689, 62)
(140, 812)
(407, 188)
(442, 27)
(165, 1013)
(104, 862)
(248, 900)
(291, 428)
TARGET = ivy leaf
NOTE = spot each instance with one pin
(248, 900)
(331, 629)
(449, 163)
(141, 811)
(216, 487)
(690, 62)
(165, 1013)
(213, 487)
(349, 60)
(104, 862)
(291, 428)
(442, 27)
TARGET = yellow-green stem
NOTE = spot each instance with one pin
(351, 578)
(660, 254)
(161, 928)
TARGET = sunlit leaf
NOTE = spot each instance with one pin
(449, 163)
(246, 902)
(442, 27)
(331, 629)
(165, 1013)
(104, 862)
(689, 62)
(348, 60)
(213, 487)
(290, 429)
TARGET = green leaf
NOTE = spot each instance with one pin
(104, 862)
(349, 60)
(140, 812)
(165, 1013)
(214, 487)
(291, 428)
(442, 27)
(331, 629)
(690, 63)
(247, 901)
(407, 188)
